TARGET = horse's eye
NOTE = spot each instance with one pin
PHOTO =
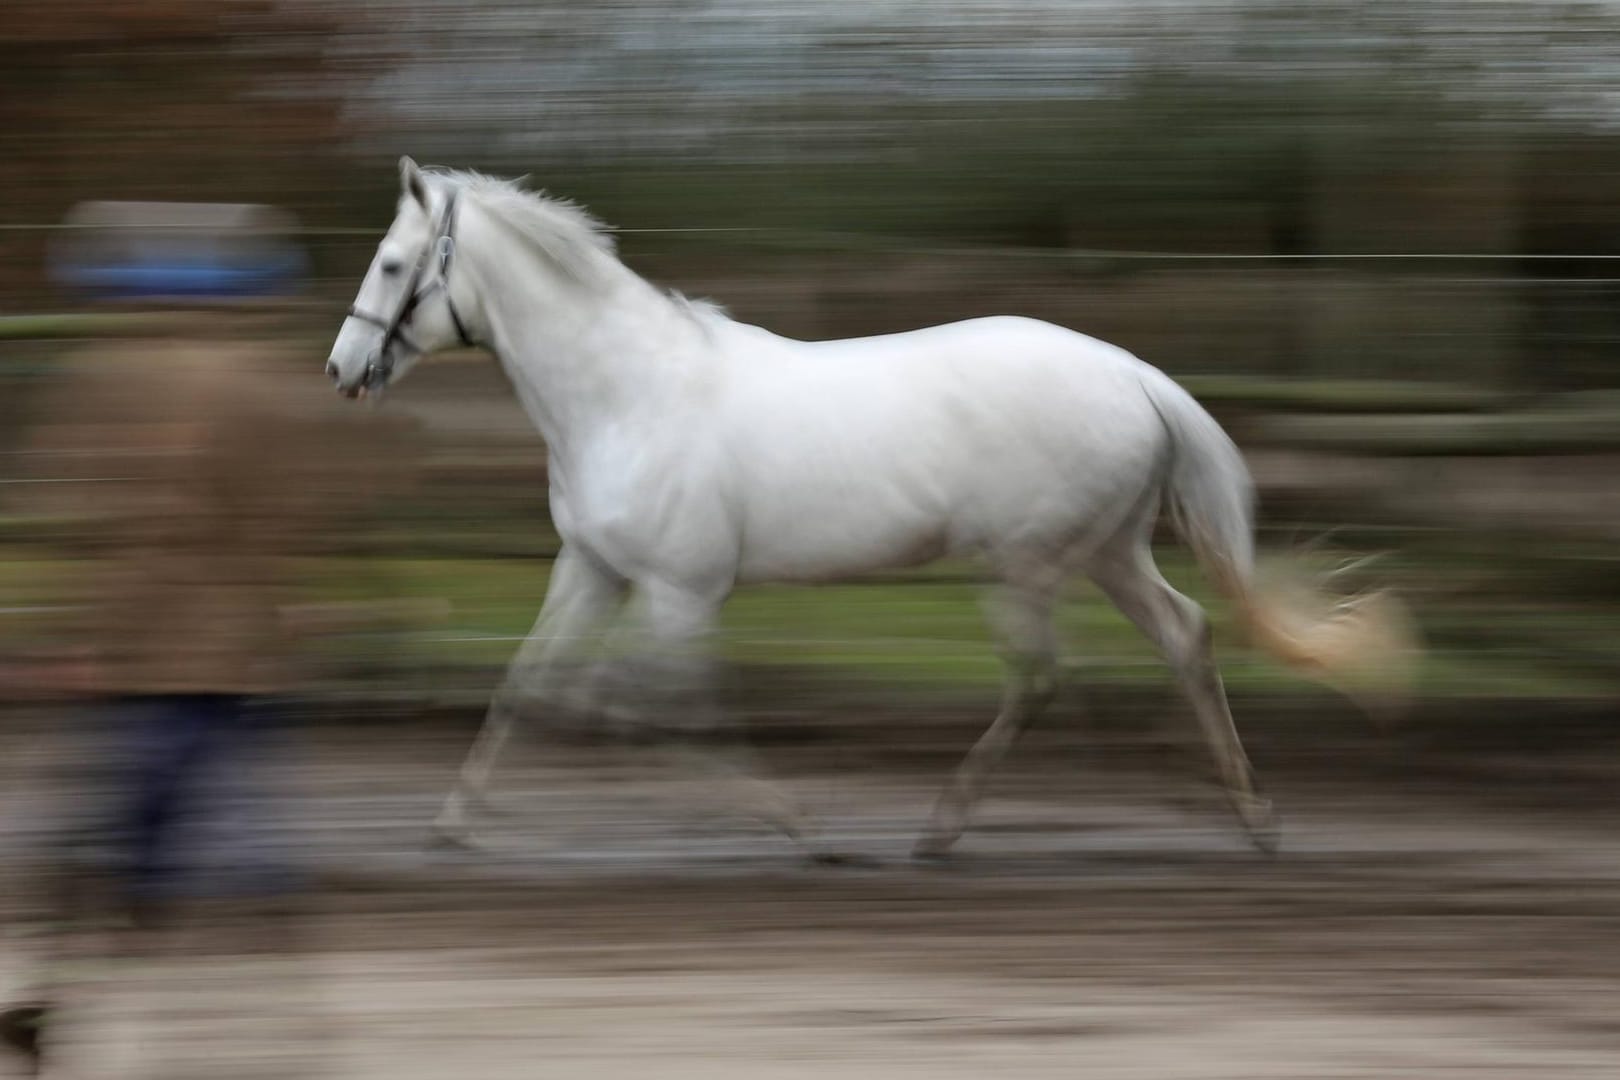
(392, 267)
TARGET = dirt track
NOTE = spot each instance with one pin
(1104, 920)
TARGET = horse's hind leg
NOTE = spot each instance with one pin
(581, 595)
(1177, 625)
(1021, 615)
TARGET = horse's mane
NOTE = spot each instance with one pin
(565, 232)
(703, 312)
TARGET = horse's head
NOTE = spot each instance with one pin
(405, 309)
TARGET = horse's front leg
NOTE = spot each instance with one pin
(679, 624)
(580, 597)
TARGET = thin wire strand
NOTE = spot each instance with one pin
(870, 240)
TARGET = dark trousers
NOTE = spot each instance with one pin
(178, 744)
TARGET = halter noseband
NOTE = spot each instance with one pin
(381, 364)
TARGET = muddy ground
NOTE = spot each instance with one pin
(1441, 907)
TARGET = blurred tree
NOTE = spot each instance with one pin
(1361, 126)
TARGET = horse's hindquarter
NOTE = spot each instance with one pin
(851, 455)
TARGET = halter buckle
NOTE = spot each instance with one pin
(375, 373)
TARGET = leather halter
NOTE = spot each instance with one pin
(381, 364)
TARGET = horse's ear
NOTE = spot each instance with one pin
(411, 182)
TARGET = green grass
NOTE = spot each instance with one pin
(69, 325)
(929, 631)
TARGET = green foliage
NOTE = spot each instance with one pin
(1584, 424)
(1341, 395)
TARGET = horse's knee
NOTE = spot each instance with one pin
(1040, 685)
(1031, 675)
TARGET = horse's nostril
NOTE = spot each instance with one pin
(332, 370)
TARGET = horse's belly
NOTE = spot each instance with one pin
(810, 542)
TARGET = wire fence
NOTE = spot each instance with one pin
(876, 240)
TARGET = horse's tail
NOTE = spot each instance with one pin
(1362, 645)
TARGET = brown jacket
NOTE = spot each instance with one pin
(189, 476)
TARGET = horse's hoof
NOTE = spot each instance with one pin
(1267, 841)
(1258, 823)
(840, 858)
(932, 849)
(447, 840)
(482, 804)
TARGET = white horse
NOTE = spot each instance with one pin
(690, 454)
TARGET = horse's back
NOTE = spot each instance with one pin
(990, 339)
(982, 386)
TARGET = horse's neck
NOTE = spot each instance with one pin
(580, 359)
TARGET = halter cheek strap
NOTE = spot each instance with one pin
(382, 365)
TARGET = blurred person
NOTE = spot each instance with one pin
(179, 500)
(185, 462)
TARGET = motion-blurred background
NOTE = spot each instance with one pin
(1378, 238)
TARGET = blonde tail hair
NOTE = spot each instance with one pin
(1365, 646)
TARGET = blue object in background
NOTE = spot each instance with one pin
(174, 251)
(194, 278)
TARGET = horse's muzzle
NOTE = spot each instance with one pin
(374, 377)
(351, 391)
